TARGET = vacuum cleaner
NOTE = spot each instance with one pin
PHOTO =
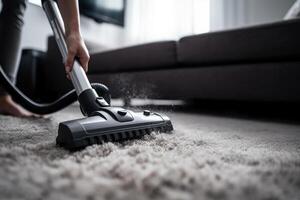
(102, 122)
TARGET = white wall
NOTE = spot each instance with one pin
(224, 14)
(36, 28)
(146, 21)
(267, 10)
(236, 13)
(107, 35)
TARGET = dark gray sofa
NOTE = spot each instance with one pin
(258, 63)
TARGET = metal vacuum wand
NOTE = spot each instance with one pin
(78, 76)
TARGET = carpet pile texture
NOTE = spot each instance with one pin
(207, 157)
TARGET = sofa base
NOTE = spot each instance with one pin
(250, 82)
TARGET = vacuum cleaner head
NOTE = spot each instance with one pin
(103, 127)
(103, 123)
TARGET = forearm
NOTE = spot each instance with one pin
(70, 15)
(75, 43)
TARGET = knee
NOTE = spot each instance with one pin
(14, 10)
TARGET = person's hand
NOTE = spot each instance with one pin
(76, 48)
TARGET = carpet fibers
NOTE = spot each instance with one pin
(207, 157)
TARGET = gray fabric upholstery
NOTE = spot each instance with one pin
(272, 42)
(252, 63)
(276, 81)
(141, 57)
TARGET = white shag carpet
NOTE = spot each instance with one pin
(207, 157)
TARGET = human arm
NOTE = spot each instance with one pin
(75, 43)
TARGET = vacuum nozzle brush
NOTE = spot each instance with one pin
(102, 127)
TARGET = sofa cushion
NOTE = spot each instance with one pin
(141, 57)
(271, 42)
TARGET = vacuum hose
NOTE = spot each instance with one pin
(47, 108)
